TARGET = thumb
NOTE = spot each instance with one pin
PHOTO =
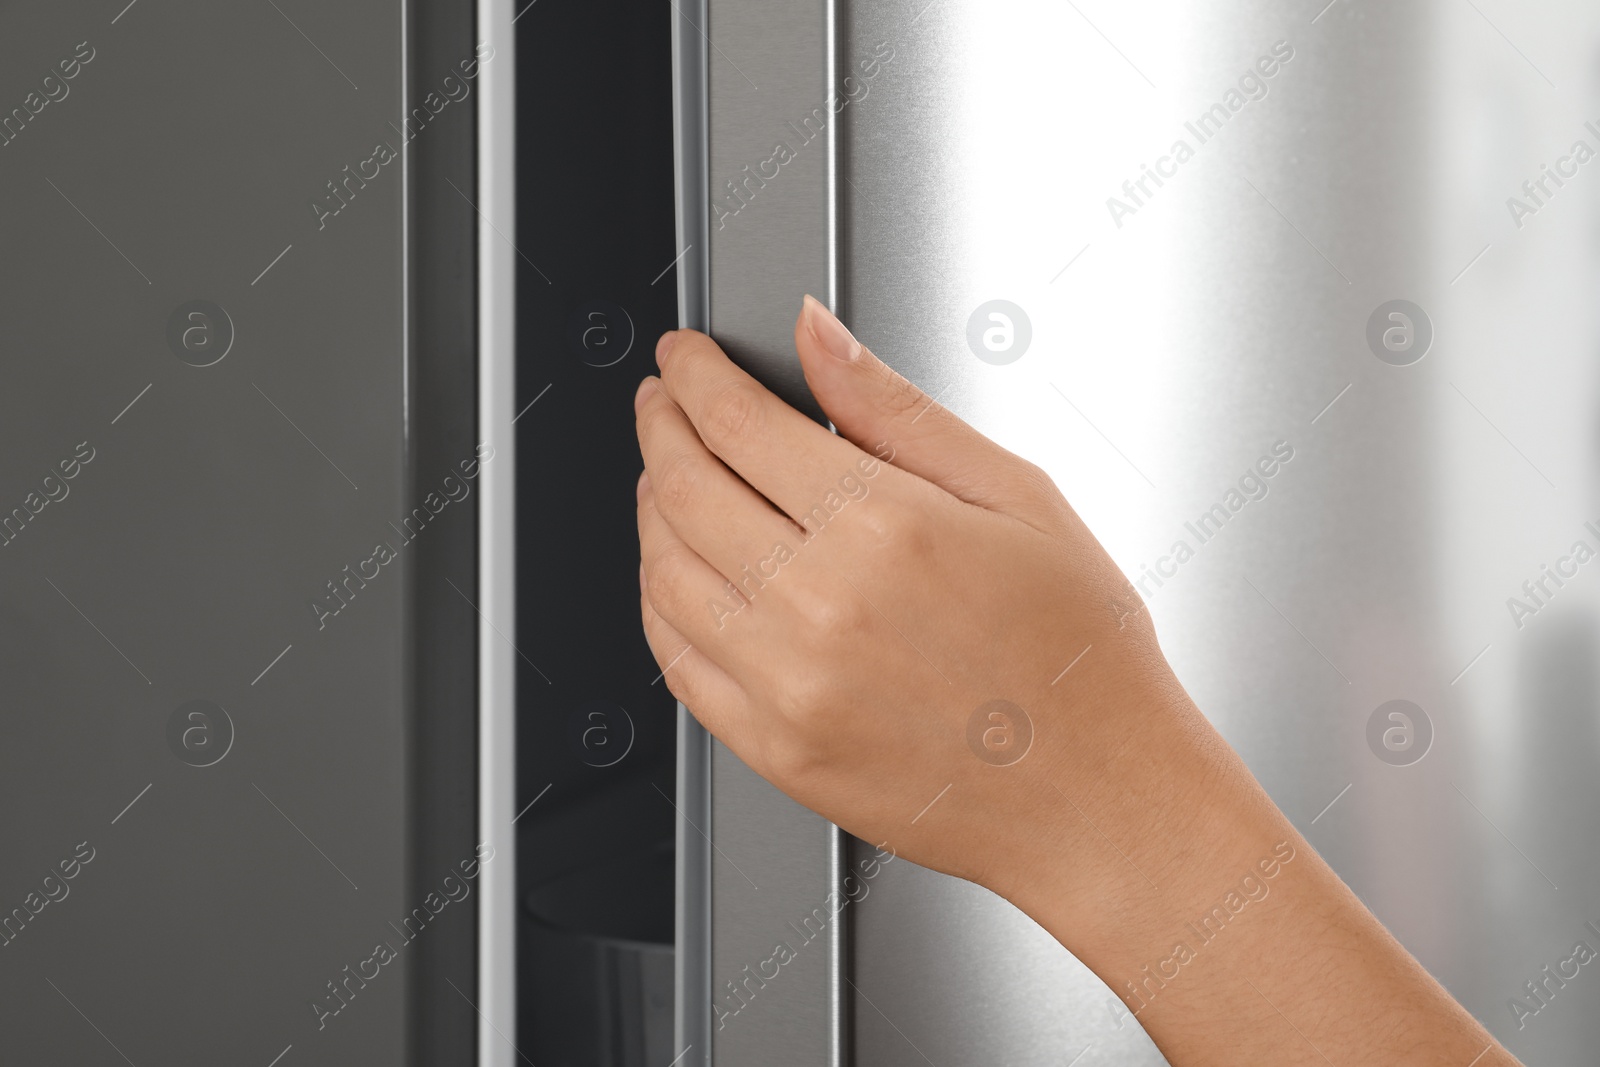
(882, 413)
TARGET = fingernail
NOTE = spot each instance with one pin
(664, 345)
(830, 332)
(644, 485)
(647, 389)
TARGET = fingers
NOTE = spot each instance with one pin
(881, 411)
(709, 507)
(704, 688)
(689, 593)
(685, 605)
(785, 456)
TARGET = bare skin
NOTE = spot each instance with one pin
(897, 577)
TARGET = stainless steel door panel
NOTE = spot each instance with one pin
(1206, 217)
(1228, 312)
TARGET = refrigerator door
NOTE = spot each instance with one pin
(1356, 236)
(233, 402)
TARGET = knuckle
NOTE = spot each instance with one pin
(679, 483)
(890, 528)
(1032, 480)
(817, 723)
(830, 618)
(734, 411)
(668, 360)
(794, 759)
(803, 695)
(652, 416)
(670, 593)
(685, 346)
(679, 690)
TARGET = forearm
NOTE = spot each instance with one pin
(1230, 940)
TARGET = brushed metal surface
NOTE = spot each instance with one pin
(693, 856)
(768, 84)
(182, 162)
(497, 544)
(692, 1016)
(1228, 312)
(775, 862)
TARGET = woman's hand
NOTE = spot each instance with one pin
(907, 629)
(887, 616)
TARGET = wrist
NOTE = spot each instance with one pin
(1123, 872)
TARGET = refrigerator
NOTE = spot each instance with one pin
(331, 735)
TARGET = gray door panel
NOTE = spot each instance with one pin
(210, 566)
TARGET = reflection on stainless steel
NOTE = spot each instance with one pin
(1294, 306)
(497, 532)
(1222, 311)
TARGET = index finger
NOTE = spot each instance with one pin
(780, 452)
